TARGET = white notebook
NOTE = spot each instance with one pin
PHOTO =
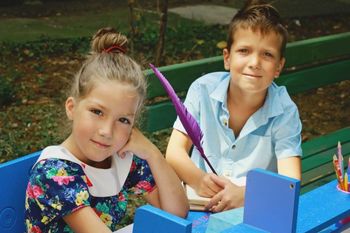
(196, 202)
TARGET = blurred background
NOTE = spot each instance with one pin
(43, 42)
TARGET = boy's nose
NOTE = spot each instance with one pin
(254, 62)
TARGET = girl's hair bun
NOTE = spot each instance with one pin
(109, 40)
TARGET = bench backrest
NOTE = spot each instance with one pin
(310, 64)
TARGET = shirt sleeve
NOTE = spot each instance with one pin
(140, 179)
(192, 105)
(56, 188)
(287, 134)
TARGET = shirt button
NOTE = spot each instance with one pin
(233, 147)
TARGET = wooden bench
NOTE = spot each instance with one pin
(310, 64)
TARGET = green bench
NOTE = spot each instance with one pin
(310, 64)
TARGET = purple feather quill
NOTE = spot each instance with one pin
(190, 124)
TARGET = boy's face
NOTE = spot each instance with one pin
(254, 60)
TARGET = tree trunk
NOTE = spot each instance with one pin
(132, 22)
(162, 29)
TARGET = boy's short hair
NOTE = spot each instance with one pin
(258, 15)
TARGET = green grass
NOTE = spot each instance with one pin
(84, 24)
(29, 29)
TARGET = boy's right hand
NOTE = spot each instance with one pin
(231, 196)
(207, 187)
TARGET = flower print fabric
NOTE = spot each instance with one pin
(59, 187)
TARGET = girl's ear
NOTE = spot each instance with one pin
(280, 67)
(70, 105)
(226, 55)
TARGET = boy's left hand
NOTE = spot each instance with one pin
(231, 196)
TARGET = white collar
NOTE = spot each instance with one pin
(104, 182)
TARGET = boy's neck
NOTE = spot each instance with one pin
(246, 100)
(241, 106)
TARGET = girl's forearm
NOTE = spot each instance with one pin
(171, 194)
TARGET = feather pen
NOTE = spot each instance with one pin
(190, 124)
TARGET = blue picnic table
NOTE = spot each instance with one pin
(272, 204)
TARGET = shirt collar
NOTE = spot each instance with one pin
(272, 107)
(220, 92)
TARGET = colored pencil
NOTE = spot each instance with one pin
(346, 182)
(337, 172)
(340, 160)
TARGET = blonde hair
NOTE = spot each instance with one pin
(108, 61)
(258, 15)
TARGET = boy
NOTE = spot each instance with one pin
(247, 120)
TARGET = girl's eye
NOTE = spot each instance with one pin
(96, 112)
(124, 120)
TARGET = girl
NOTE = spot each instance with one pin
(83, 185)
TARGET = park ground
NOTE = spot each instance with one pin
(43, 44)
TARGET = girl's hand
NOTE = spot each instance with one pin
(231, 196)
(139, 145)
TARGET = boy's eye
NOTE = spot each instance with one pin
(96, 112)
(267, 54)
(124, 120)
(243, 51)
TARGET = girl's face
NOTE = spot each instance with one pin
(254, 60)
(102, 121)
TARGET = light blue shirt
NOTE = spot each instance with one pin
(273, 132)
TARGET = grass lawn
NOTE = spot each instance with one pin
(30, 29)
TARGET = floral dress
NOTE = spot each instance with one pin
(58, 187)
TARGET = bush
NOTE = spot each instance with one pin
(11, 2)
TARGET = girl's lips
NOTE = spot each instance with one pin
(100, 144)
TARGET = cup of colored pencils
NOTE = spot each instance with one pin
(341, 172)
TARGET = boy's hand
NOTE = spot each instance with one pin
(207, 186)
(231, 196)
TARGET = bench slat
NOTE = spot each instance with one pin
(323, 143)
(317, 49)
(323, 157)
(182, 75)
(317, 165)
(159, 116)
(315, 77)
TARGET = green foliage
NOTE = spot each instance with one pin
(46, 47)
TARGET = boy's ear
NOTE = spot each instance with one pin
(70, 104)
(226, 55)
(280, 67)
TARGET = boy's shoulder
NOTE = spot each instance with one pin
(281, 95)
(210, 81)
(213, 77)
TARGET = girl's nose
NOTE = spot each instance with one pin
(106, 129)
